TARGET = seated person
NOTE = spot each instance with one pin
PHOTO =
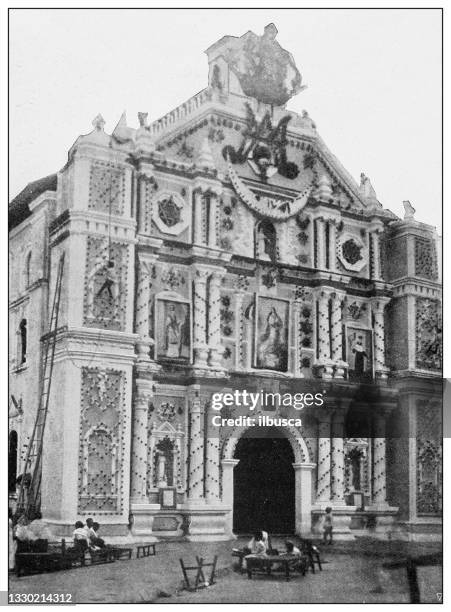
(80, 536)
(257, 548)
(291, 549)
(95, 540)
(263, 536)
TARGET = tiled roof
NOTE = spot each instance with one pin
(19, 207)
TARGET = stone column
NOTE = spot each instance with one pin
(200, 314)
(323, 470)
(378, 305)
(214, 318)
(196, 449)
(321, 243)
(337, 334)
(303, 500)
(145, 268)
(375, 250)
(198, 237)
(239, 296)
(144, 176)
(139, 441)
(297, 340)
(227, 490)
(212, 215)
(324, 360)
(333, 245)
(212, 467)
(338, 459)
(379, 465)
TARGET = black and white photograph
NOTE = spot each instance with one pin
(225, 349)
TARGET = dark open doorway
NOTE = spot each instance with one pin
(264, 485)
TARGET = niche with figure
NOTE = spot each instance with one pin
(265, 241)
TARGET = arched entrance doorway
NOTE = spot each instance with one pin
(264, 483)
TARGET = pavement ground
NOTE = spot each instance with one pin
(352, 573)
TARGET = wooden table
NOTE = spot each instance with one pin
(267, 564)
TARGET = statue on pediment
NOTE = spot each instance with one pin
(265, 70)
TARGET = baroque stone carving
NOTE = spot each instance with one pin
(106, 188)
(425, 258)
(227, 316)
(356, 310)
(264, 147)
(102, 453)
(429, 461)
(166, 412)
(173, 278)
(171, 213)
(352, 252)
(428, 334)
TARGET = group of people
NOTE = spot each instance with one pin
(87, 537)
(259, 545)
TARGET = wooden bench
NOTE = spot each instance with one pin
(53, 558)
(145, 550)
(122, 553)
(276, 563)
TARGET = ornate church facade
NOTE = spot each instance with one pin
(223, 247)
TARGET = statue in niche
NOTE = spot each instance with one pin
(359, 352)
(164, 463)
(266, 241)
(161, 469)
(359, 355)
(355, 459)
(172, 333)
(173, 329)
(272, 349)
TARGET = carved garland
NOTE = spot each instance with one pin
(268, 207)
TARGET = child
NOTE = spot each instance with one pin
(80, 536)
(327, 526)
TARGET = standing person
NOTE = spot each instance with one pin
(12, 545)
(328, 526)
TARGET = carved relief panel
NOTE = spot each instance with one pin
(107, 187)
(428, 334)
(105, 294)
(101, 446)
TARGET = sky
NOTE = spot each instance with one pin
(373, 77)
